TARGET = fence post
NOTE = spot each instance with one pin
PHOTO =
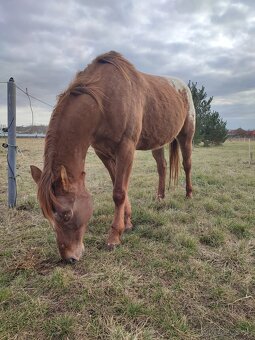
(11, 157)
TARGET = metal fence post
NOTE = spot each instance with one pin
(11, 157)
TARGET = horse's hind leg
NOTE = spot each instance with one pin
(161, 166)
(110, 165)
(185, 140)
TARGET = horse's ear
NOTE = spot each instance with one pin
(36, 173)
(64, 178)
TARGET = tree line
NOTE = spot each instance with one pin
(210, 128)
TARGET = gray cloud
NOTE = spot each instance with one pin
(43, 45)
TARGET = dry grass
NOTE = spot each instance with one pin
(185, 272)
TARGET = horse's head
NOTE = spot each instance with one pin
(68, 206)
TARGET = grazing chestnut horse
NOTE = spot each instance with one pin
(115, 109)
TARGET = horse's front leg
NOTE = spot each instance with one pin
(124, 162)
(110, 165)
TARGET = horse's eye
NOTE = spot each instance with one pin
(66, 215)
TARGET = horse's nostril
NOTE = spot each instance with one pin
(71, 260)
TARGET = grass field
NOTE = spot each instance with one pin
(187, 271)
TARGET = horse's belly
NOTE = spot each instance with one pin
(149, 144)
(156, 135)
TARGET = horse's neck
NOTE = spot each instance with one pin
(69, 149)
(71, 130)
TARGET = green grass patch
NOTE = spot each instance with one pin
(240, 229)
(213, 238)
(186, 271)
(60, 327)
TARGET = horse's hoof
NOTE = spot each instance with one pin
(129, 228)
(160, 197)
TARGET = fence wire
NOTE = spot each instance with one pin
(5, 130)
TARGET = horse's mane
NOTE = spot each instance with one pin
(116, 59)
(85, 82)
(45, 194)
(88, 80)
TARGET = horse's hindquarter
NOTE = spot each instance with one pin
(165, 111)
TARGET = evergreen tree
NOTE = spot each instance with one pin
(210, 128)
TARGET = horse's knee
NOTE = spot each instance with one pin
(119, 197)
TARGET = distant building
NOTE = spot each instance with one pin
(26, 131)
(240, 133)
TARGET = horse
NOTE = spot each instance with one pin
(116, 109)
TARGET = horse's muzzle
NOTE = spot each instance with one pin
(71, 260)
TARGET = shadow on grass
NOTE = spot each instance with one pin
(33, 261)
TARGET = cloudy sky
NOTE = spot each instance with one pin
(211, 42)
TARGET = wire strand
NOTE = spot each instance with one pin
(14, 178)
(30, 104)
(10, 124)
(33, 97)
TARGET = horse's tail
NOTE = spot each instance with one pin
(174, 162)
